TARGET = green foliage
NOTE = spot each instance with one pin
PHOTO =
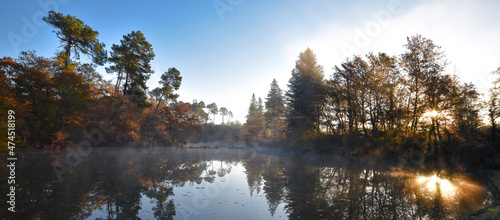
(131, 61)
(77, 37)
(170, 81)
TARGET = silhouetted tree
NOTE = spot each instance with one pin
(423, 61)
(275, 111)
(466, 109)
(223, 112)
(494, 105)
(306, 95)
(230, 115)
(212, 107)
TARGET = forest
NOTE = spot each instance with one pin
(376, 104)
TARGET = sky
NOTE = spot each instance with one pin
(226, 50)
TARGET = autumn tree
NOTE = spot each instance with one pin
(387, 93)
(8, 99)
(52, 98)
(255, 120)
(275, 111)
(177, 118)
(350, 96)
(305, 96)
(424, 62)
(131, 61)
(31, 79)
(76, 37)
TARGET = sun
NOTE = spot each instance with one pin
(432, 114)
(433, 183)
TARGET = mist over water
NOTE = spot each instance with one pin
(253, 183)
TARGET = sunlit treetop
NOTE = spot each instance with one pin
(307, 65)
(76, 37)
(423, 57)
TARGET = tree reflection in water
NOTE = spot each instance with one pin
(114, 183)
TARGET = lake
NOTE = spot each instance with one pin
(222, 183)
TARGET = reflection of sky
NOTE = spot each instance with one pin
(228, 197)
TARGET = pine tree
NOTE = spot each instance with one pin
(169, 82)
(223, 112)
(76, 36)
(132, 58)
(275, 111)
(305, 96)
(255, 119)
(213, 109)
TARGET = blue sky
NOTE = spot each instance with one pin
(225, 56)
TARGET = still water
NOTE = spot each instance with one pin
(180, 183)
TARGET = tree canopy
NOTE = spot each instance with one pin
(131, 61)
(76, 37)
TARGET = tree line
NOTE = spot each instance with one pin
(378, 97)
(387, 99)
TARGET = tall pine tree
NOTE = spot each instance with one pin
(306, 95)
(131, 60)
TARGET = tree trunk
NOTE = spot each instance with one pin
(414, 124)
(126, 84)
(158, 104)
(68, 51)
(118, 81)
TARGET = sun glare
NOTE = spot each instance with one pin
(434, 183)
(430, 114)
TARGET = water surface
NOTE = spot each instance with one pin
(179, 183)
